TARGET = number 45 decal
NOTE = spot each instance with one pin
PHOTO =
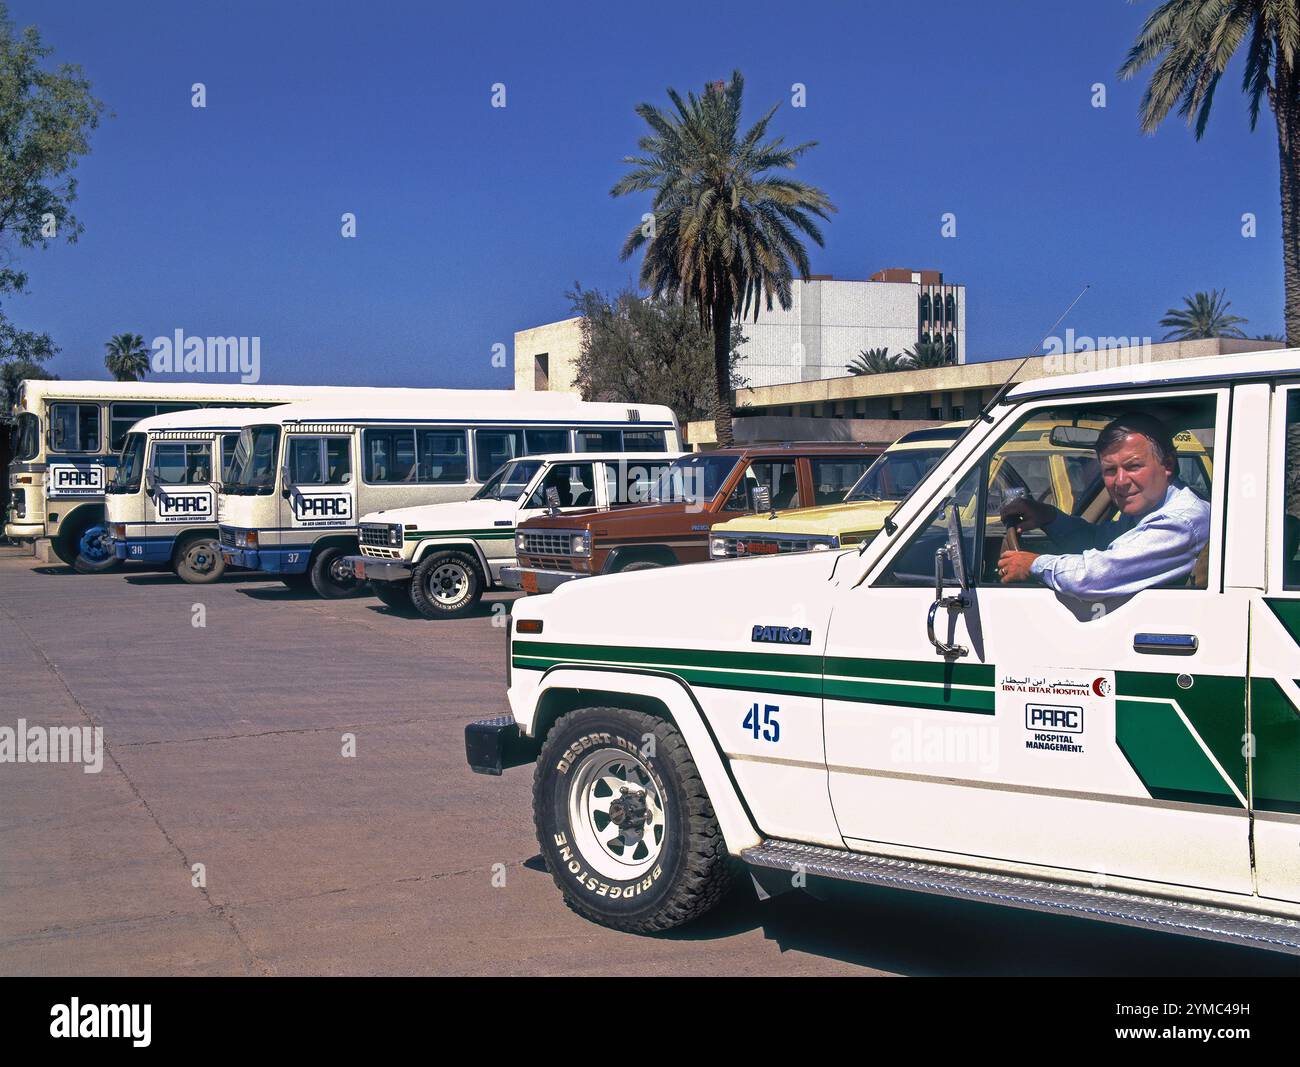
(767, 726)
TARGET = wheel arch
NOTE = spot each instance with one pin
(623, 555)
(347, 542)
(434, 544)
(563, 689)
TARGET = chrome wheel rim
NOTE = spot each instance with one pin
(448, 583)
(616, 813)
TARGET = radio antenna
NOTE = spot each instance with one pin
(1006, 386)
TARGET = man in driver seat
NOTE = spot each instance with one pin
(1161, 529)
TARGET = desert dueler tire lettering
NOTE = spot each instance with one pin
(624, 823)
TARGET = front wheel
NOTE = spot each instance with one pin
(624, 822)
(199, 562)
(95, 551)
(332, 577)
(446, 585)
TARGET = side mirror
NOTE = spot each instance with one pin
(285, 482)
(552, 500)
(956, 550)
(762, 498)
(150, 482)
(954, 553)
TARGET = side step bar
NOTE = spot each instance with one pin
(1106, 905)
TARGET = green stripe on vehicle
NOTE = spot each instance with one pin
(500, 533)
(1288, 614)
(1275, 722)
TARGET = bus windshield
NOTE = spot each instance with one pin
(894, 474)
(510, 480)
(692, 479)
(253, 468)
(130, 466)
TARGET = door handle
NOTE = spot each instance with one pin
(1166, 644)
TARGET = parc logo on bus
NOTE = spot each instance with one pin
(68, 479)
(190, 505)
(321, 508)
(1058, 718)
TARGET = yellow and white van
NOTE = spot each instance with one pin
(900, 714)
(304, 474)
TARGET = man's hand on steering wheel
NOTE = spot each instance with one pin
(1026, 513)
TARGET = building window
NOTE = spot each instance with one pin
(925, 308)
(950, 347)
(542, 372)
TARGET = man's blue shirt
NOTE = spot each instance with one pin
(1120, 558)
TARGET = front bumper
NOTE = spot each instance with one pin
(493, 745)
(271, 560)
(535, 581)
(146, 550)
(24, 531)
(374, 569)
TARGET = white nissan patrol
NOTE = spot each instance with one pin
(904, 714)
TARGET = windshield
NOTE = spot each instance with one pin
(510, 480)
(253, 469)
(894, 474)
(693, 479)
(25, 437)
(130, 465)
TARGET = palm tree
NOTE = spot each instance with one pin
(926, 355)
(1202, 315)
(126, 357)
(875, 361)
(1191, 43)
(725, 232)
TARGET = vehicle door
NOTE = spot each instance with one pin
(319, 491)
(1274, 729)
(181, 482)
(1097, 736)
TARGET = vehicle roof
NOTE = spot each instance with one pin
(795, 447)
(462, 407)
(1166, 372)
(196, 419)
(41, 388)
(604, 457)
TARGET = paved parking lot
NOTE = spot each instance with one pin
(224, 748)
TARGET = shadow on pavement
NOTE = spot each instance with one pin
(918, 934)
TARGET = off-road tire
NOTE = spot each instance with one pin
(396, 595)
(326, 583)
(459, 574)
(691, 871)
(198, 561)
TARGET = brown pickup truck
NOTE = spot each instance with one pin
(697, 491)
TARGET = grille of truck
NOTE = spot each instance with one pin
(768, 546)
(539, 543)
(550, 563)
(373, 536)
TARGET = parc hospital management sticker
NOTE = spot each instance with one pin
(1058, 725)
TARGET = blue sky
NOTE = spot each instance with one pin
(472, 221)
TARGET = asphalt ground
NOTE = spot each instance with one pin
(224, 747)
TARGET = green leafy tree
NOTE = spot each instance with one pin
(724, 234)
(927, 355)
(46, 117)
(126, 357)
(875, 361)
(1190, 43)
(1202, 315)
(649, 350)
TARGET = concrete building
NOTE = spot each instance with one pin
(881, 407)
(829, 322)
